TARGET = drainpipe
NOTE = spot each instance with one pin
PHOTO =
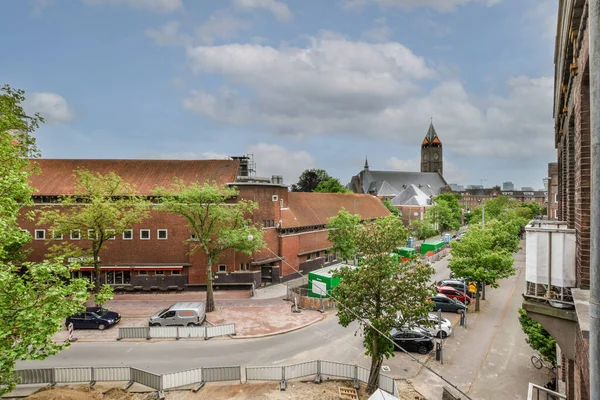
(594, 60)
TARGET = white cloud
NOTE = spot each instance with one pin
(544, 13)
(53, 107)
(336, 86)
(395, 164)
(438, 5)
(277, 160)
(220, 25)
(168, 35)
(380, 31)
(39, 6)
(152, 5)
(279, 9)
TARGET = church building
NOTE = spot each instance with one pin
(409, 191)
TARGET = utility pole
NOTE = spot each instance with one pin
(594, 60)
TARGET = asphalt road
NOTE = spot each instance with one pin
(326, 340)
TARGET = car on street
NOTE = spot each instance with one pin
(454, 294)
(445, 303)
(413, 339)
(456, 283)
(93, 318)
(432, 325)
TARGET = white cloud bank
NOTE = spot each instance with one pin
(53, 107)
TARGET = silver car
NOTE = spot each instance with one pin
(190, 313)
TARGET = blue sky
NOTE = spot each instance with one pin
(299, 84)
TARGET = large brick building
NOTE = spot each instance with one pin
(153, 254)
(472, 198)
(571, 179)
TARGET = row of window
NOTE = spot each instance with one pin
(122, 277)
(329, 256)
(75, 234)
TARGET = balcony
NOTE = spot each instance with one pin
(550, 263)
(550, 276)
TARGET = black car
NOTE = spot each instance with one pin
(94, 318)
(444, 303)
(414, 339)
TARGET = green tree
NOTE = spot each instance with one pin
(538, 338)
(376, 293)
(422, 229)
(441, 216)
(103, 207)
(331, 185)
(310, 179)
(388, 204)
(452, 200)
(477, 258)
(217, 223)
(35, 298)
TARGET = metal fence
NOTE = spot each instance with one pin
(536, 392)
(176, 332)
(182, 378)
(199, 375)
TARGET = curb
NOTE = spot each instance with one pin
(323, 316)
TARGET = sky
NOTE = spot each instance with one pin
(298, 84)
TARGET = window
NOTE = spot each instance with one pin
(308, 256)
(75, 234)
(556, 197)
(110, 234)
(193, 236)
(161, 234)
(168, 314)
(145, 234)
(57, 235)
(40, 234)
(159, 272)
(145, 273)
(128, 234)
(222, 268)
(118, 277)
(245, 267)
(91, 234)
(176, 272)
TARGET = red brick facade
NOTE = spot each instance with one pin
(572, 139)
(293, 226)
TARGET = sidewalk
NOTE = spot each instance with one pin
(265, 314)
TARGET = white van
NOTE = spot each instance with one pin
(190, 313)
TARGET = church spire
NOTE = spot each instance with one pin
(366, 168)
(431, 133)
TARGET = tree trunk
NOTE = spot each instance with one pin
(376, 362)
(97, 271)
(477, 299)
(210, 301)
(483, 291)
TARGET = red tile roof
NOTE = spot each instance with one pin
(306, 209)
(56, 177)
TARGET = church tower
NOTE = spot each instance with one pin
(431, 152)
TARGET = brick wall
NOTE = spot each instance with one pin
(582, 169)
(582, 367)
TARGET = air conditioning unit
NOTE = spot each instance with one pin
(275, 197)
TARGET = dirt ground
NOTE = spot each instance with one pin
(296, 390)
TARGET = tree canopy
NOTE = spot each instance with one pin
(442, 216)
(102, 208)
(376, 293)
(388, 204)
(537, 337)
(331, 185)
(422, 229)
(310, 179)
(217, 222)
(35, 297)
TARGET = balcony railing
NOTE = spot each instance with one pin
(550, 262)
(541, 393)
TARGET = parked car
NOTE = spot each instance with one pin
(191, 313)
(94, 318)
(445, 303)
(456, 283)
(454, 294)
(413, 339)
(432, 326)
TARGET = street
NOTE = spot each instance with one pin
(489, 359)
